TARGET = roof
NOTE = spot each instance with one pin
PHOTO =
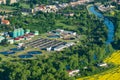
(61, 46)
(21, 37)
(17, 38)
(5, 22)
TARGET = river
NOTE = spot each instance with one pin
(106, 21)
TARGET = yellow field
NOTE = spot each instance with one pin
(112, 74)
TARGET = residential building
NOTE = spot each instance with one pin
(6, 22)
(3, 21)
(39, 8)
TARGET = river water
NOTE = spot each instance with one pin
(106, 21)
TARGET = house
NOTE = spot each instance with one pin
(3, 21)
(73, 72)
(6, 22)
(102, 65)
(39, 8)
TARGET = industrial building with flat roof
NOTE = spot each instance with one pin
(48, 44)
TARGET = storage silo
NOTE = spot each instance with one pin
(15, 33)
(18, 32)
(21, 32)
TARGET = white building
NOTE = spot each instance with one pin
(73, 72)
(11, 41)
(70, 44)
(59, 48)
(102, 65)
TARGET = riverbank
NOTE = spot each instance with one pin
(107, 22)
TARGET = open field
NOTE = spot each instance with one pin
(7, 9)
(25, 5)
(112, 74)
(59, 23)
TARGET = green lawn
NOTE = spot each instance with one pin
(24, 5)
(59, 23)
(6, 48)
(7, 9)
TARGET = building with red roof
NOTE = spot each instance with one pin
(6, 22)
(3, 21)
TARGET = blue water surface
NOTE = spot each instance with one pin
(25, 56)
(107, 22)
(34, 52)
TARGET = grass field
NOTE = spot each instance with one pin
(7, 9)
(24, 5)
(59, 23)
(112, 74)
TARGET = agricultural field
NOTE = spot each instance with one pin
(112, 74)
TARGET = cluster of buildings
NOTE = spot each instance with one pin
(53, 8)
(79, 2)
(43, 8)
(5, 1)
(18, 35)
(61, 33)
(105, 8)
(49, 44)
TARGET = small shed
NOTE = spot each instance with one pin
(11, 41)
(36, 33)
(102, 64)
(73, 72)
